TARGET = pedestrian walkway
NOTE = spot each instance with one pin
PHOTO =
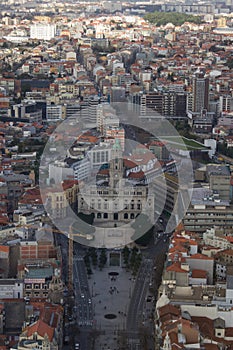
(111, 295)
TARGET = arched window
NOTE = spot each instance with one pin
(126, 216)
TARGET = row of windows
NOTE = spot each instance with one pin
(36, 294)
(100, 157)
(106, 206)
(59, 206)
(210, 214)
(126, 193)
(106, 216)
(106, 200)
(209, 221)
(36, 286)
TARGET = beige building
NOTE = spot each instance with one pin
(219, 177)
(59, 202)
(214, 238)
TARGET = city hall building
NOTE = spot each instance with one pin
(116, 201)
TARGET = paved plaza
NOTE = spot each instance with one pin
(111, 290)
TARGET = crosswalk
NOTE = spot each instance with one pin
(85, 323)
(134, 344)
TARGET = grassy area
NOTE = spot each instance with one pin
(162, 18)
(183, 143)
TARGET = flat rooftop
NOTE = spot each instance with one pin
(206, 196)
(217, 169)
(41, 272)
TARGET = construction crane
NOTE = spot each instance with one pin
(70, 236)
(70, 250)
(70, 254)
(70, 260)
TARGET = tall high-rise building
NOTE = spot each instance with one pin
(117, 94)
(151, 102)
(89, 107)
(225, 103)
(106, 116)
(200, 92)
(168, 104)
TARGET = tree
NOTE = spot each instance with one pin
(133, 257)
(102, 258)
(93, 255)
(89, 271)
(87, 260)
(137, 263)
(126, 254)
(88, 218)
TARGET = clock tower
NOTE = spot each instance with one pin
(116, 165)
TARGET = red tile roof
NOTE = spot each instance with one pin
(41, 328)
(4, 249)
(138, 175)
(200, 256)
(178, 248)
(69, 184)
(176, 267)
(169, 309)
(210, 346)
(199, 274)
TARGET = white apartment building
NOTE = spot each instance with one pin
(11, 289)
(100, 154)
(210, 237)
(105, 117)
(82, 169)
(53, 113)
(42, 31)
